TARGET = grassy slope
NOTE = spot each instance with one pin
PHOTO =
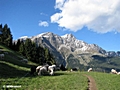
(105, 63)
(11, 66)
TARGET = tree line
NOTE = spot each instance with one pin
(26, 48)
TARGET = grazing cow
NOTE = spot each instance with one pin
(52, 69)
(43, 70)
(2, 56)
(90, 69)
(74, 69)
(46, 69)
(118, 73)
(113, 71)
(38, 68)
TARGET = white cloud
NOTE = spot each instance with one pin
(98, 15)
(43, 23)
(43, 14)
(59, 3)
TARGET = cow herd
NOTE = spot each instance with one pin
(113, 71)
(50, 69)
(43, 69)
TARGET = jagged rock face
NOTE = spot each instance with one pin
(118, 53)
(112, 53)
(63, 47)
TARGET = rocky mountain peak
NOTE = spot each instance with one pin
(47, 34)
(70, 51)
(68, 36)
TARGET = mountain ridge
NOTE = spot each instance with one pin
(70, 51)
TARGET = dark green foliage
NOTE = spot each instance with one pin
(34, 53)
(29, 49)
(5, 35)
(18, 45)
(49, 58)
(102, 64)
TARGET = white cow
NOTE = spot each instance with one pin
(113, 71)
(43, 70)
(52, 69)
(118, 73)
(38, 68)
(90, 69)
(46, 69)
(2, 56)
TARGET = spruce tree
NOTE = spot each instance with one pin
(19, 42)
(28, 49)
(22, 48)
(1, 33)
(6, 36)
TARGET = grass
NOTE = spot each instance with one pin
(61, 81)
(64, 81)
(106, 81)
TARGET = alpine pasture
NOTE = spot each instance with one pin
(14, 73)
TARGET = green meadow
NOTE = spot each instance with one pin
(63, 81)
(60, 81)
(16, 74)
(106, 81)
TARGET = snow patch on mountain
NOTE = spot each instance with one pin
(24, 37)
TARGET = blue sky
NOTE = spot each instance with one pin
(93, 21)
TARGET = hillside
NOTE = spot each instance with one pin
(11, 65)
(105, 64)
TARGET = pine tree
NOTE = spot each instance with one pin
(22, 48)
(19, 42)
(28, 49)
(0, 33)
(40, 55)
(49, 57)
(34, 52)
(6, 36)
(47, 54)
